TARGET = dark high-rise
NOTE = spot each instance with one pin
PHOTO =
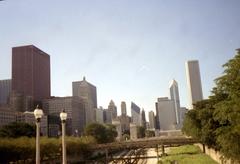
(31, 72)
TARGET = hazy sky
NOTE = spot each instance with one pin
(129, 49)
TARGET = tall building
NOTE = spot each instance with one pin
(5, 89)
(107, 116)
(99, 115)
(193, 82)
(174, 95)
(123, 108)
(88, 92)
(183, 111)
(7, 115)
(166, 114)
(113, 109)
(157, 126)
(73, 106)
(151, 118)
(143, 118)
(31, 73)
(135, 112)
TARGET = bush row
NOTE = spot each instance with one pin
(24, 148)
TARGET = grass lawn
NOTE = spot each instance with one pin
(188, 154)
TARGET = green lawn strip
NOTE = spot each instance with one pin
(187, 154)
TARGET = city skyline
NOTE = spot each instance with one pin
(128, 50)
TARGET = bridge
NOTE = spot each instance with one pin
(146, 143)
(137, 148)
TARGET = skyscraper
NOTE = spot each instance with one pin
(88, 93)
(174, 95)
(86, 90)
(113, 109)
(193, 82)
(5, 89)
(143, 119)
(31, 73)
(152, 122)
(123, 108)
(135, 112)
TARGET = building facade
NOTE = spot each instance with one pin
(86, 90)
(174, 95)
(88, 93)
(193, 82)
(152, 122)
(5, 89)
(7, 115)
(113, 109)
(135, 112)
(99, 115)
(73, 106)
(143, 119)
(166, 117)
(31, 73)
(123, 108)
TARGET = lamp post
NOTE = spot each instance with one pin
(38, 113)
(63, 116)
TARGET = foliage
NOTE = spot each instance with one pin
(199, 123)
(215, 121)
(17, 129)
(140, 131)
(102, 133)
(187, 154)
(150, 133)
(228, 110)
(23, 148)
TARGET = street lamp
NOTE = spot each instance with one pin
(63, 116)
(38, 113)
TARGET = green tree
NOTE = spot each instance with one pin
(17, 129)
(111, 132)
(199, 123)
(215, 121)
(227, 111)
(102, 133)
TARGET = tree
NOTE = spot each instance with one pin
(215, 121)
(102, 133)
(18, 129)
(199, 123)
(228, 109)
(150, 133)
(111, 132)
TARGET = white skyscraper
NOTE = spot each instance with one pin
(174, 95)
(193, 82)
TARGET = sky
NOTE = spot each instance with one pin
(129, 49)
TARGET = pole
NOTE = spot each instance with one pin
(163, 152)
(64, 159)
(37, 142)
